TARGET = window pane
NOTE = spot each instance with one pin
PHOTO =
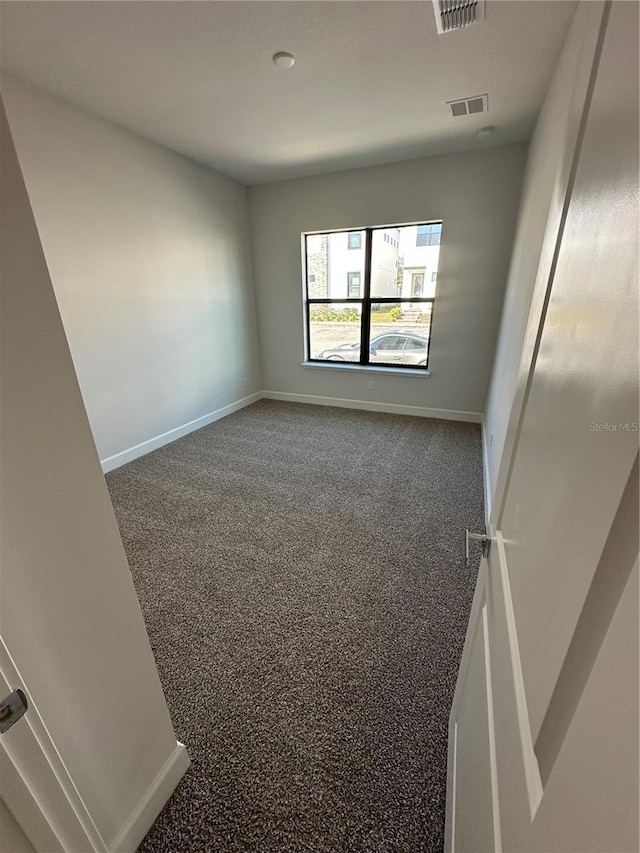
(423, 235)
(395, 349)
(329, 258)
(400, 336)
(334, 331)
(405, 264)
(384, 262)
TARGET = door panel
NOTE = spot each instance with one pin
(474, 823)
(573, 458)
(564, 514)
(12, 838)
(601, 812)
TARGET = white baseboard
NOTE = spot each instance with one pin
(118, 459)
(150, 806)
(486, 475)
(370, 406)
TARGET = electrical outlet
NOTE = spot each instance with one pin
(370, 385)
(244, 381)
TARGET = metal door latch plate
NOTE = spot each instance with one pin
(482, 538)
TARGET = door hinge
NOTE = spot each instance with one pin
(11, 709)
(482, 538)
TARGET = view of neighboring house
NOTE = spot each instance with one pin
(404, 262)
(419, 259)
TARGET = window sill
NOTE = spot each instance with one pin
(360, 368)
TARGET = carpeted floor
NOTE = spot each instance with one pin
(301, 573)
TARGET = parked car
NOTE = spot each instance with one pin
(388, 348)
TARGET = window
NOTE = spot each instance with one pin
(429, 235)
(412, 344)
(378, 310)
(312, 279)
(353, 285)
(434, 276)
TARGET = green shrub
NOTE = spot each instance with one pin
(327, 313)
(395, 314)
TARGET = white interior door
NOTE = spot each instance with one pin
(564, 531)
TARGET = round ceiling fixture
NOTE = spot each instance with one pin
(283, 59)
(486, 131)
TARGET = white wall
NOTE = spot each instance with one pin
(476, 194)
(69, 615)
(549, 164)
(149, 254)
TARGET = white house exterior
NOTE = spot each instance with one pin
(420, 251)
(345, 264)
(385, 253)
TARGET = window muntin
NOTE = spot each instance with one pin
(378, 309)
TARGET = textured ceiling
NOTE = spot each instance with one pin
(369, 85)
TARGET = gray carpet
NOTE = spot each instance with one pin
(301, 573)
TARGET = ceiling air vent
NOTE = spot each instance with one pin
(469, 106)
(457, 14)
